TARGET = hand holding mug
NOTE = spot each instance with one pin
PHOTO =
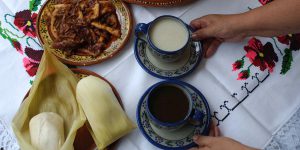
(215, 29)
(215, 142)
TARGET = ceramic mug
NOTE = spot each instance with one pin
(164, 44)
(191, 116)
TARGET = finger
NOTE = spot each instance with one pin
(214, 45)
(203, 140)
(206, 44)
(202, 34)
(211, 131)
(194, 148)
(217, 131)
(203, 148)
(214, 130)
(198, 23)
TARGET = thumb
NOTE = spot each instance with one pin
(202, 34)
(203, 140)
(212, 48)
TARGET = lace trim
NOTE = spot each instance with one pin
(288, 136)
(7, 141)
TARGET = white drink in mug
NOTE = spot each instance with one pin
(169, 34)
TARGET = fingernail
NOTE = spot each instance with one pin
(195, 138)
(194, 36)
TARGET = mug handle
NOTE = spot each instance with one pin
(197, 117)
(141, 28)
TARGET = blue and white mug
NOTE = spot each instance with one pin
(192, 116)
(167, 36)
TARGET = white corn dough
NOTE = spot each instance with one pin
(108, 122)
(47, 131)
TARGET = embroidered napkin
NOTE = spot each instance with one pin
(248, 109)
(250, 118)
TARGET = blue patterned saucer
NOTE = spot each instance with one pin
(179, 139)
(167, 70)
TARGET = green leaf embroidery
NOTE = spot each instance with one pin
(287, 61)
(4, 35)
(33, 4)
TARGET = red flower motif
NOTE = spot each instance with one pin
(262, 56)
(17, 46)
(26, 22)
(243, 75)
(284, 39)
(34, 55)
(31, 67)
(32, 61)
(237, 65)
(264, 2)
(291, 39)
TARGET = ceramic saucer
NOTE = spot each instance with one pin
(180, 138)
(167, 70)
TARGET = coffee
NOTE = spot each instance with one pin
(168, 104)
(169, 34)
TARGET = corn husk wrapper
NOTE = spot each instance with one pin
(107, 120)
(52, 91)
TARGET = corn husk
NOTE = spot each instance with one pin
(107, 120)
(52, 91)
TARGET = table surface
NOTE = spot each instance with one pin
(249, 110)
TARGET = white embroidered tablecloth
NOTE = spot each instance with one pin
(250, 102)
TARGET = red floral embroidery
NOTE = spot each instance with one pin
(284, 39)
(243, 75)
(17, 46)
(264, 2)
(262, 56)
(31, 62)
(291, 39)
(26, 22)
(34, 55)
(238, 65)
(31, 67)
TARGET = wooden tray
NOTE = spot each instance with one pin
(158, 3)
(84, 140)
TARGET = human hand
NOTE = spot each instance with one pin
(215, 29)
(218, 143)
(214, 142)
(213, 130)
